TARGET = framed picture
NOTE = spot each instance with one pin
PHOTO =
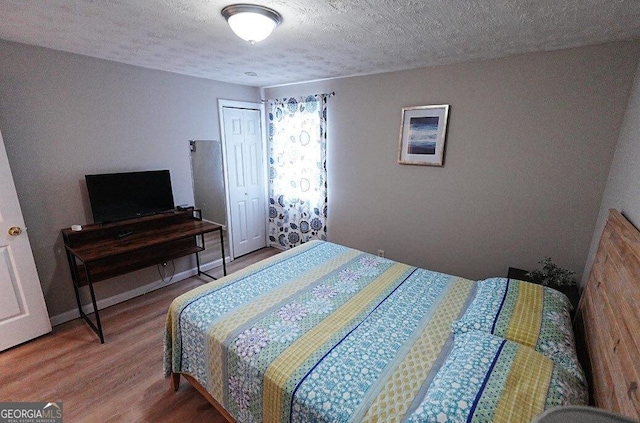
(422, 135)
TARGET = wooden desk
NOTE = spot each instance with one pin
(103, 251)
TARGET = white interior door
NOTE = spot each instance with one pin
(245, 179)
(23, 313)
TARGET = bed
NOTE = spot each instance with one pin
(323, 332)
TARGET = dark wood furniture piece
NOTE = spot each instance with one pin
(570, 291)
(103, 251)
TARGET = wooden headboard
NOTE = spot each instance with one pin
(608, 319)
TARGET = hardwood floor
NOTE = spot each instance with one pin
(120, 381)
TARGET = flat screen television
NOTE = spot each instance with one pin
(118, 196)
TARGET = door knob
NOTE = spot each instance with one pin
(15, 231)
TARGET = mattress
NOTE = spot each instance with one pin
(327, 333)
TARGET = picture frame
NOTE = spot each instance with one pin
(423, 133)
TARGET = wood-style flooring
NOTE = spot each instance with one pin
(120, 381)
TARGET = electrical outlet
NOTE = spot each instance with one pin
(380, 253)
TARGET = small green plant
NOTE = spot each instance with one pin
(552, 275)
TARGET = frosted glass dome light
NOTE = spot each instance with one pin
(251, 22)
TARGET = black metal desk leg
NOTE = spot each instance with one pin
(224, 263)
(224, 266)
(76, 290)
(200, 271)
(74, 279)
(198, 263)
(98, 327)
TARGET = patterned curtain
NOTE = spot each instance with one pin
(297, 170)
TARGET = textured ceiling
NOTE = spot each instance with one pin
(317, 39)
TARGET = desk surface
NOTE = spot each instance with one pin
(134, 241)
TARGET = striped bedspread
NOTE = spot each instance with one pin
(321, 332)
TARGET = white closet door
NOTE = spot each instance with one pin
(245, 179)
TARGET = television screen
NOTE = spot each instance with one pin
(117, 196)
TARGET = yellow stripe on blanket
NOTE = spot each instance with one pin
(284, 366)
(525, 390)
(396, 396)
(524, 326)
(178, 303)
(245, 313)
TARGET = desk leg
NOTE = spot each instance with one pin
(201, 272)
(224, 262)
(76, 290)
(98, 327)
(198, 263)
(74, 278)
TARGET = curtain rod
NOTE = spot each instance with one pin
(329, 95)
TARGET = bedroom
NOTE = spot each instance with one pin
(512, 189)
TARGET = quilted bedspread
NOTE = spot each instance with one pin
(321, 332)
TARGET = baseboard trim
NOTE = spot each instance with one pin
(127, 295)
(277, 247)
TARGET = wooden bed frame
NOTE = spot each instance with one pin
(607, 323)
(608, 319)
(175, 384)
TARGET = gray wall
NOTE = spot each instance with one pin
(529, 146)
(64, 116)
(623, 186)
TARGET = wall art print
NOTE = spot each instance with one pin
(423, 135)
(297, 170)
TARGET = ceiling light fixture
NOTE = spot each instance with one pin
(251, 22)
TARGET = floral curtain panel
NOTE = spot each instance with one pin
(297, 170)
